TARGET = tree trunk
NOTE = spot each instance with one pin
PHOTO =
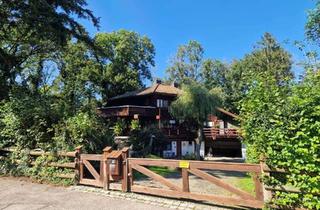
(198, 142)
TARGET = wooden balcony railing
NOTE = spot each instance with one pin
(174, 131)
(216, 133)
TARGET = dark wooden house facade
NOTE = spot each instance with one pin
(150, 105)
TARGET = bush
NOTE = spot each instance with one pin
(27, 121)
(82, 129)
(149, 140)
(283, 125)
(36, 121)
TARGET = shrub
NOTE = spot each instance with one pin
(119, 127)
(149, 140)
(82, 129)
(283, 125)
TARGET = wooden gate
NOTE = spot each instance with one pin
(107, 167)
(86, 162)
(123, 169)
(196, 168)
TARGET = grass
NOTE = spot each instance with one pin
(162, 171)
(244, 183)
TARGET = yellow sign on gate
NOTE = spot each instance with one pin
(184, 164)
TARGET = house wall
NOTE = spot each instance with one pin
(222, 145)
(187, 148)
(182, 143)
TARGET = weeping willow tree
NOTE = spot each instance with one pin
(193, 107)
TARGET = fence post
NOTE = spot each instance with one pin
(185, 180)
(77, 162)
(267, 195)
(125, 154)
(106, 168)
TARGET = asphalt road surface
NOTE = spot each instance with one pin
(19, 194)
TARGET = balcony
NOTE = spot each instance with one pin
(173, 133)
(127, 111)
(221, 133)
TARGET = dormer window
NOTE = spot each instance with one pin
(162, 103)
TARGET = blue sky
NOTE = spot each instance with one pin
(227, 29)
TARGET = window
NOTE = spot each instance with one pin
(162, 103)
(169, 147)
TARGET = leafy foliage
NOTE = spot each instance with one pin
(125, 62)
(82, 129)
(33, 29)
(186, 64)
(120, 127)
(283, 125)
(313, 26)
(193, 106)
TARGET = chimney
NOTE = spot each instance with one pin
(175, 84)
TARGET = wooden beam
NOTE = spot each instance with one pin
(124, 184)
(156, 177)
(258, 187)
(229, 201)
(154, 162)
(39, 153)
(185, 180)
(91, 182)
(221, 183)
(243, 167)
(59, 165)
(91, 169)
(92, 157)
(106, 168)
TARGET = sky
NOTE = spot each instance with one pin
(227, 29)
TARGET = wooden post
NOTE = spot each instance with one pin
(106, 168)
(267, 195)
(185, 180)
(125, 154)
(258, 187)
(77, 161)
(130, 174)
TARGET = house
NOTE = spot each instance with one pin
(150, 105)
(222, 137)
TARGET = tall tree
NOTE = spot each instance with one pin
(267, 59)
(268, 62)
(214, 73)
(186, 64)
(125, 62)
(313, 24)
(193, 106)
(74, 84)
(31, 28)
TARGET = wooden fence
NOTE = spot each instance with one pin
(196, 168)
(101, 169)
(74, 156)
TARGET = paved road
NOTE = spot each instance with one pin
(18, 194)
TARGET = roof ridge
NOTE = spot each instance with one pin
(156, 88)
